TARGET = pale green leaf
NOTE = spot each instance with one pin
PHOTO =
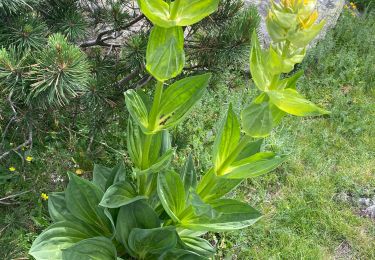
(227, 139)
(171, 193)
(96, 248)
(120, 194)
(165, 56)
(233, 215)
(290, 101)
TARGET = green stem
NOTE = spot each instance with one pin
(148, 139)
(155, 105)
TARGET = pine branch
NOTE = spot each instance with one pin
(101, 41)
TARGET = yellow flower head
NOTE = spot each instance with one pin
(44, 196)
(29, 158)
(12, 169)
(79, 171)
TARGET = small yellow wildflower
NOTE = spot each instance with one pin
(12, 169)
(29, 158)
(44, 196)
(79, 171)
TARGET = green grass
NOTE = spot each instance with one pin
(309, 204)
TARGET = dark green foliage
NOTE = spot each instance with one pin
(62, 72)
(26, 32)
(224, 40)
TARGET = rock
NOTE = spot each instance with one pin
(328, 9)
(364, 201)
(370, 211)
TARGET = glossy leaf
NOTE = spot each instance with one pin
(120, 194)
(57, 207)
(100, 175)
(137, 108)
(180, 97)
(192, 11)
(293, 103)
(181, 254)
(118, 174)
(82, 200)
(259, 71)
(59, 236)
(135, 215)
(255, 165)
(302, 38)
(201, 208)
(251, 149)
(198, 245)
(96, 248)
(188, 175)
(211, 187)
(157, 11)
(290, 82)
(233, 215)
(171, 193)
(160, 164)
(147, 243)
(227, 139)
(165, 56)
(179, 13)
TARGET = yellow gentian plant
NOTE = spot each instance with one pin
(154, 211)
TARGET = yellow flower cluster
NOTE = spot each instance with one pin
(293, 21)
(44, 196)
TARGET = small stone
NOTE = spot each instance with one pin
(364, 201)
(370, 211)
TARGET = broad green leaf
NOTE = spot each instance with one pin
(148, 243)
(82, 200)
(162, 163)
(118, 174)
(188, 175)
(135, 215)
(212, 187)
(251, 149)
(233, 215)
(293, 103)
(171, 193)
(136, 146)
(198, 245)
(179, 13)
(165, 56)
(254, 165)
(59, 236)
(257, 120)
(290, 82)
(120, 194)
(227, 139)
(166, 143)
(100, 175)
(96, 248)
(276, 32)
(180, 97)
(284, 19)
(278, 63)
(57, 207)
(137, 109)
(302, 38)
(192, 11)
(259, 71)
(181, 254)
(201, 208)
(157, 11)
